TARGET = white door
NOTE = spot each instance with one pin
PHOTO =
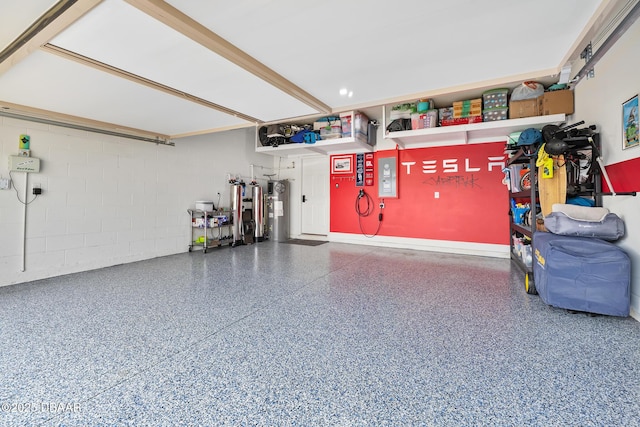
(315, 195)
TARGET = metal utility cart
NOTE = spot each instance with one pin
(207, 228)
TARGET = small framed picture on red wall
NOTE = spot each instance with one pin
(342, 164)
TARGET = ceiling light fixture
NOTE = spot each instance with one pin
(346, 92)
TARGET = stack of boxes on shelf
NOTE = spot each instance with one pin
(552, 102)
(425, 116)
(323, 128)
(334, 127)
(328, 127)
(413, 116)
(462, 112)
(495, 104)
(360, 124)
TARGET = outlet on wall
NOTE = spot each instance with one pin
(5, 183)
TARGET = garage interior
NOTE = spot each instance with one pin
(136, 109)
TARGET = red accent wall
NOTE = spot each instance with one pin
(624, 176)
(473, 204)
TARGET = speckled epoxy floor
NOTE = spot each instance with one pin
(339, 335)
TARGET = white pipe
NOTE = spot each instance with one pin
(24, 220)
(605, 175)
(25, 116)
(603, 171)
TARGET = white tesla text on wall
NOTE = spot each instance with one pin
(453, 165)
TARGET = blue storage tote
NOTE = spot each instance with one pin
(582, 274)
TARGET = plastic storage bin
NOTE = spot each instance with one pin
(495, 98)
(360, 124)
(494, 114)
(424, 120)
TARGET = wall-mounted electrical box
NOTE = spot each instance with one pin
(24, 164)
(387, 177)
(5, 183)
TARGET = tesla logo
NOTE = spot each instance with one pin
(454, 166)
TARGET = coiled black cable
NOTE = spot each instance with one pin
(367, 212)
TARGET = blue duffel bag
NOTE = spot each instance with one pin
(582, 274)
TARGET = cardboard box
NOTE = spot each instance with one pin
(556, 102)
(461, 121)
(523, 108)
(468, 108)
(444, 114)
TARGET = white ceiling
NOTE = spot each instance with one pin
(163, 81)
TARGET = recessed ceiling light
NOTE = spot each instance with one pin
(343, 91)
(350, 93)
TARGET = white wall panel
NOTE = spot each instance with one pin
(68, 241)
(599, 101)
(111, 200)
(46, 260)
(84, 225)
(36, 245)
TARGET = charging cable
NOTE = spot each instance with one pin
(18, 194)
(369, 208)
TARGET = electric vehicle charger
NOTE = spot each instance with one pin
(367, 212)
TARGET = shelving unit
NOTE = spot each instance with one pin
(495, 131)
(591, 188)
(532, 195)
(211, 236)
(327, 146)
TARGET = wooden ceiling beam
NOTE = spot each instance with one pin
(26, 113)
(51, 23)
(197, 32)
(73, 56)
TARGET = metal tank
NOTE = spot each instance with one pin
(257, 212)
(278, 210)
(236, 213)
